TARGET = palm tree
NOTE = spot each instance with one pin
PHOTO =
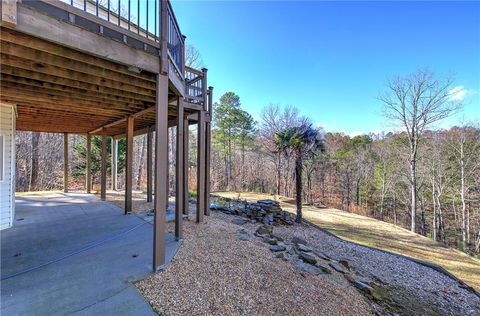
(303, 140)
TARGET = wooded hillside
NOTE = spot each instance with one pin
(365, 174)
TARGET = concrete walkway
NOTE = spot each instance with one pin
(74, 254)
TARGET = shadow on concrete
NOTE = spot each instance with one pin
(74, 254)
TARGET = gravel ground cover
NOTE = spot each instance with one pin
(223, 269)
(407, 287)
(378, 234)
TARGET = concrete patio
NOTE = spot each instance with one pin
(74, 254)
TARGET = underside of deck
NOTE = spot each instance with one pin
(69, 71)
(59, 89)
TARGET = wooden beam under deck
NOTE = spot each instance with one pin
(58, 89)
(38, 24)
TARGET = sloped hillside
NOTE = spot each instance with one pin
(374, 233)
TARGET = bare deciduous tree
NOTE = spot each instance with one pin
(416, 102)
(193, 58)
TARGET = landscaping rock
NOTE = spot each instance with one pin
(271, 241)
(239, 220)
(338, 267)
(303, 248)
(308, 258)
(302, 266)
(323, 256)
(265, 230)
(243, 235)
(268, 219)
(277, 237)
(322, 266)
(297, 240)
(289, 222)
(277, 248)
(364, 288)
(221, 208)
(261, 235)
(345, 264)
(280, 255)
(267, 212)
(268, 202)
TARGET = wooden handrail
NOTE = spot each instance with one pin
(193, 70)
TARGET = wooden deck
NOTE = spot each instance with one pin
(51, 69)
(79, 67)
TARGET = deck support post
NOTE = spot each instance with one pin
(161, 145)
(186, 166)
(207, 168)
(88, 167)
(201, 166)
(103, 180)
(179, 170)
(65, 162)
(208, 145)
(149, 163)
(129, 165)
(161, 166)
(114, 164)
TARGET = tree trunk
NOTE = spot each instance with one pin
(323, 188)
(34, 162)
(434, 221)
(229, 168)
(468, 224)
(357, 189)
(462, 194)
(298, 187)
(441, 227)
(227, 183)
(278, 173)
(395, 209)
(309, 188)
(243, 165)
(413, 191)
(285, 177)
(382, 198)
(422, 217)
(477, 246)
(140, 165)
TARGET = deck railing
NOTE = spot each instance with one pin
(175, 40)
(141, 17)
(195, 86)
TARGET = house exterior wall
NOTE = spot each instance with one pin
(7, 165)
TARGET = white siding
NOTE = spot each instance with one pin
(7, 179)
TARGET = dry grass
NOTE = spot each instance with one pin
(30, 193)
(382, 235)
(139, 200)
(214, 273)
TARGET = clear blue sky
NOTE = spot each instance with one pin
(331, 59)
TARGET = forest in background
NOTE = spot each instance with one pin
(365, 174)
